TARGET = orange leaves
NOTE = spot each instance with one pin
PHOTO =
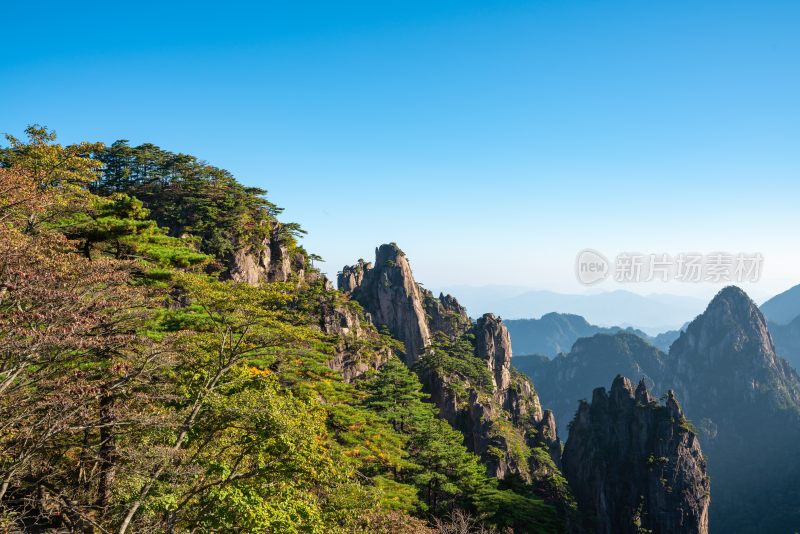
(259, 372)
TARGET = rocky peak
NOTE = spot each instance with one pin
(391, 297)
(745, 401)
(636, 466)
(499, 422)
(642, 395)
(352, 276)
(731, 319)
(445, 314)
(674, 406)
(493, 344)
(621, 391)
(728, 352)
(592, 361)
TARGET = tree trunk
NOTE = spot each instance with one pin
(108, 452)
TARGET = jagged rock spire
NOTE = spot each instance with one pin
(636, 466)
(391, 297)
(493, 344)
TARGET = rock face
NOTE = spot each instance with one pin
(391, 297)
(745, 401)
(498, 419)
(503, 419)
(636, 466)
(445, 315)
(268, 261)
(493, 344)
(341, 320)
(511, 396)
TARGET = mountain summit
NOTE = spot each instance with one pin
(745, 401)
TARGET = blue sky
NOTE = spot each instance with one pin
(491, 140)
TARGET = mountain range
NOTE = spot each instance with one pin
(740, 395)
(174, 362)
(554, 333)
(653, 313)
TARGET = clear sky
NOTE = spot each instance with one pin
(491, 140)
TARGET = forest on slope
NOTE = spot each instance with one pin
(145, 386)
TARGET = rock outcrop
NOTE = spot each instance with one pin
(445, 314)
(493, 344)
(741, 396)
(391, 298)
(636, 466)
(501, 418)
(340, 319)
(270, 260)
(509, 416)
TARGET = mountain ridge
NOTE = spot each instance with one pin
(653, 313)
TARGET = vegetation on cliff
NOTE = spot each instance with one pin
(143, 390)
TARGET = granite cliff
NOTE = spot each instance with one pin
(635, 465)
(465, 367)
(270, 260)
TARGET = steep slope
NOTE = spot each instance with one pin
(499, 413)
(566, 379)
(465, 368)
(787, 341)
(745, 400)
(391, 297)
(636, 466)
(784, 307)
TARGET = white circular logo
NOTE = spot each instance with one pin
(591, 267)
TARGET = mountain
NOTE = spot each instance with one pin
(783, 308)
(787, 340)
(742, 397)
(554, 333)
(664, 340)
(635, 465)
(568, 378)
(657, 479)
(652, 313)
(465, 367)
(745, 401)
(172, 362)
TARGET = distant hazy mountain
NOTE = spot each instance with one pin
(783, 308)
(652, 313)
(787, 340)
(554, 333)
(568, 378)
